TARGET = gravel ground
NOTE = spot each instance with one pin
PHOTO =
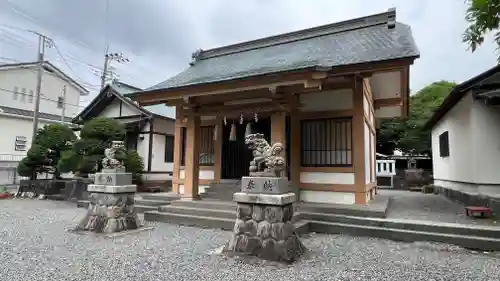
(431, 207)
(37, 246)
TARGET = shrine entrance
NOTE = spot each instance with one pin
(236, 156)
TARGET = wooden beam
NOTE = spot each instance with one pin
(378, 103)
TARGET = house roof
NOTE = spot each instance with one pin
(119, 90)
(460, 91)
(368, 39)
(48, 66)
(29, 113)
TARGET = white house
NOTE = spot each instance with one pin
(60, 95)
(150, 129)
(466, 140)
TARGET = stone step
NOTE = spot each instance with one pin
(190, 220)
(167, 197)
(466, 241)
(207, 204)
(226, 214)
(148, 202)
(411, 225)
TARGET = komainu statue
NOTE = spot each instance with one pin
(267, 161)
(114, 156)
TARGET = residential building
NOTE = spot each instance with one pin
(150, 130)
(465, 133)
(318, 91)
(59, 99)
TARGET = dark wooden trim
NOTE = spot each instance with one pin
(121, 104)
(150, 159)
(157, 172)
(468, 182)
(156, 133)
(131, 116)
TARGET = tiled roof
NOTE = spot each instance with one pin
(368, 39)
(29, 113)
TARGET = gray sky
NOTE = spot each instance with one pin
(158, 36)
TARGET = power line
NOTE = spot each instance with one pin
(43, 97)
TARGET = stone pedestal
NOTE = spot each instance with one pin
(111, 206)
(263, 226)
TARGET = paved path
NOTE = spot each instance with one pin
(36, 246)
(431, 207)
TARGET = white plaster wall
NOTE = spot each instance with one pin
(327, 178)
(204, 174)
(143, 146)
(201, 188)
(457, 166)
(113, 109)
(13, 127)
(327, 197)
(327, 100)
(367, 153)
(165, 126)
(485, 143)
(52, 89)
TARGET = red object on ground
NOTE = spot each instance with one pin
(4, 195)
(476, 211)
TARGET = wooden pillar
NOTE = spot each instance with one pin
(192, 167)
(177, 150)
(218, 149)
(294, 160)
(358, 135)
(278, 132)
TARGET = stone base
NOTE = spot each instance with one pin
(112, 188)
(265, 185)
(265, 231)
(109, 213)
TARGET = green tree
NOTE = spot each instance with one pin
(45, 152)
(87, 153)
(409, 135)
(135, 165)
(483, 17)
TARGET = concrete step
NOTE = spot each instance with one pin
(207, 204)
(466, 241)
(190, 220)
(167, 197)
(411, 225)
(207, 221)
(143, 208)
(148, 202)
(379, 211)
(82, 204)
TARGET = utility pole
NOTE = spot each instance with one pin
(108, 57)
(64, 104)
(41, 54)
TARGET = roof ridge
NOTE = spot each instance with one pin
(343, 26)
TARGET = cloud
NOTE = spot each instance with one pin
(159, 36)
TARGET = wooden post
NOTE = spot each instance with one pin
(177, 150)
(218, 149)
(192, 167)
(358, 135)
(294, 161)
